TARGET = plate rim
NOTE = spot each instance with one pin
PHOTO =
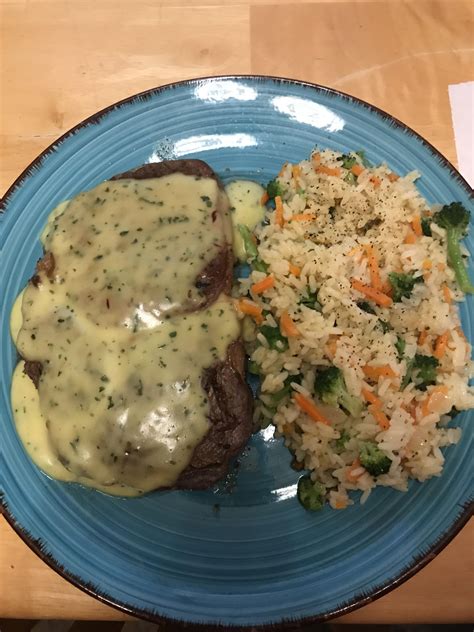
(419, 562)
(149, 92)
(358, 601)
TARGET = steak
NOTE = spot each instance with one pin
(33, 370)
(231, 406)
(230, 399)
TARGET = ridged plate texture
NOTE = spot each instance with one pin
(244, 553)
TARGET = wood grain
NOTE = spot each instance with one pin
(98, 53)
(62, 60)
(442, 592)
(400, 56)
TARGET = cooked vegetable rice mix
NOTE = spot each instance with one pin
(355, 331)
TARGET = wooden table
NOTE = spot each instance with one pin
(64, 60)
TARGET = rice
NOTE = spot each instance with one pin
(332, 221)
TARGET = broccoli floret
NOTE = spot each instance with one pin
(350, 178)
(274, 338)
(384, 326)
(365, 306)
(426, 226)
(421, 370)
(403, 284)
(400, 347)
(311, 495)
(373, 459)
(311, 300)
(348, 161)
(363, 158)
(258, 264)
(340, 443)
(274, 399)
(407, 377)
(454, 218)
(253, 368)
(251, 251)
(274, 188)
(249, 241)
(330, 387)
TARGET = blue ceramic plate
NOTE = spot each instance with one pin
(245, 552)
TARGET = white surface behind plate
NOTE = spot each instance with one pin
(461, 97)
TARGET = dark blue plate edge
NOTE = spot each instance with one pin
(418, 562)
(365, 598)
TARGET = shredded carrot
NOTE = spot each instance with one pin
(441, 389)
(425, 410)
(310, 408)
(441, 345)
(250, 308)
(354, 251)
(303, 217)
(376, 181)
(264, 199)
(331, 346)
(356, 465)
(294, 270)
(441, 266)
(316, 159)
(426, 265)
(370, 397)
(296, 172)
(339, 504)
(447, 294)
(416, 225)
(357, 170)
(422, 337)
(387, 288)
(374, 269)
(410, 409)
(329, 171)
(393, 177)
(279, 219)
(371, 293)
(263, 285)
(287, 326)
(282, 170)
(410, 237)
(374, 372)
(380, 417)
